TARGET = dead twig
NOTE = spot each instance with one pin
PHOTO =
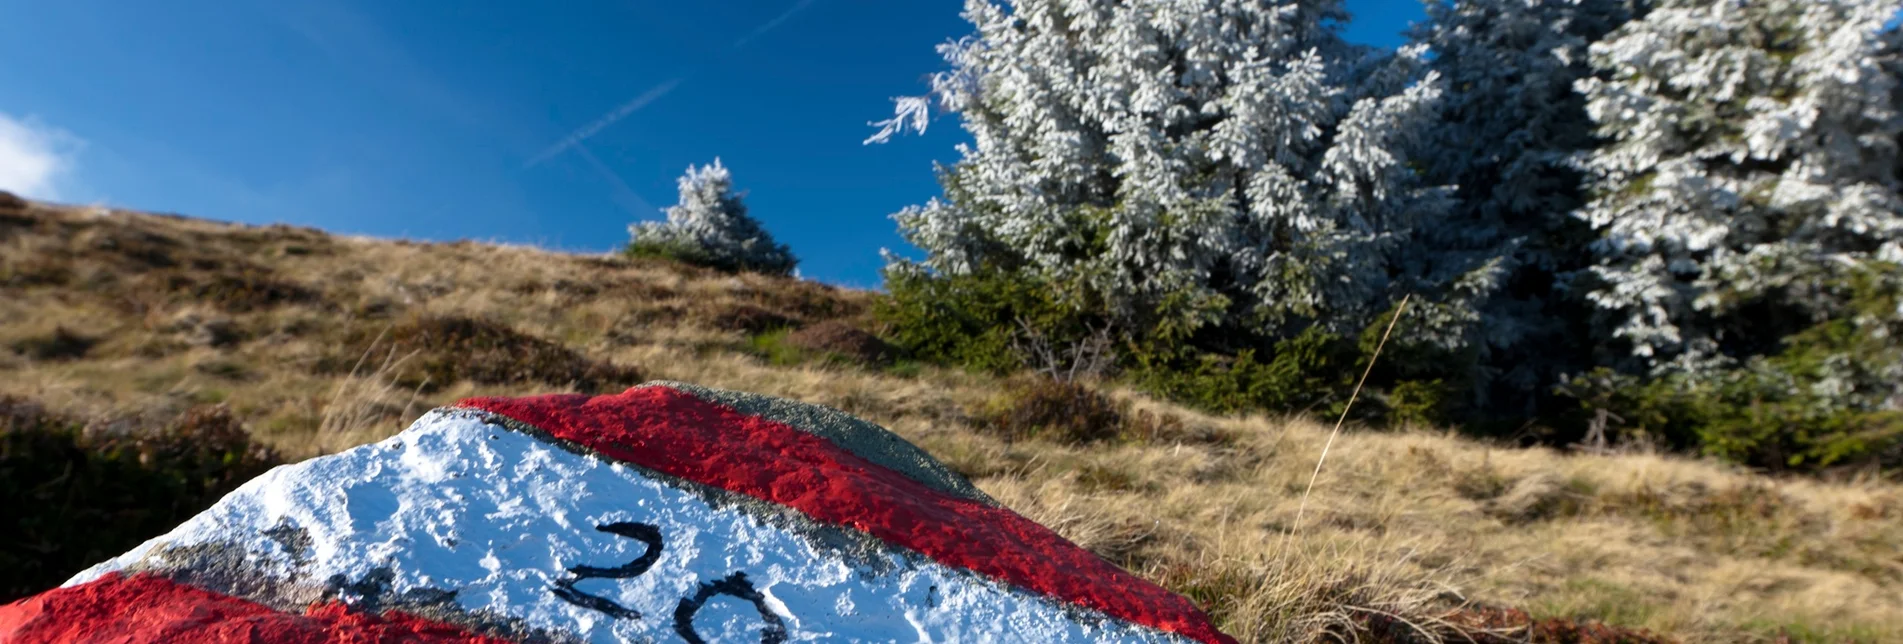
(1303, 508)
(1086, 358)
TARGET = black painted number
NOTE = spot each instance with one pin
(734, 585)
(641, 532)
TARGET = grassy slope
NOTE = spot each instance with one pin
(1409, 524)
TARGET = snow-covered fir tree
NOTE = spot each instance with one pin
(710, 226)
(1749, 188)
(1180, 163)
(1511, 137)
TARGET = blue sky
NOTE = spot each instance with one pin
(546, 123)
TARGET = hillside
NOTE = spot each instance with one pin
(317, 343)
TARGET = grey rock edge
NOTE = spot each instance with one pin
(864, 439)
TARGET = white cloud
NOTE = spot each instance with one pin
(35, 159)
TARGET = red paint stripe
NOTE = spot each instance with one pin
(675, 433)
(146, 609)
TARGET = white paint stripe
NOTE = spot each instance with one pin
(457, 504)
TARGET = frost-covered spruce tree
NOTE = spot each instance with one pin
(1176, 165)
(710, 227)
(1749, 191)
(1511, 137)
(1749, 228)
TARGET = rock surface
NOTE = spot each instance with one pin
(666, 513)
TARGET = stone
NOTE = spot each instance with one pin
(666, 513)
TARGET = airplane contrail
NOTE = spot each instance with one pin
(775, 23)
(602, 123)
(641, 209)
(625, 196)
(654, 94)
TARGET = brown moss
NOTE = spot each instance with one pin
(1062, 412)
(839, 337)
(61, 344)
(1096, 478)
(199, 432)
(435, 351)
(34, 270)
(13, 217)
(137, 249)
(1038, 407)
(563, 287)
(745, 318)
(240, 289)
(78, 493)
(810, 301)
(283, 240)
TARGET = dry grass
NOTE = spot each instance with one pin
(1407, 536)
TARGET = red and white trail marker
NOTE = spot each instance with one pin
(667, 513)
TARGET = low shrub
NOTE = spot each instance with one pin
(569, 290)
(777, 262)
(1095, 477)
(672, 250)
(1302, 373)
(746, 318)
(973, 320)
(1823, 397)
(134, 248)
(76, 495)
(432, 352)
(980, 322)
(907, 369)
(1761, 417)
(1060, 412)
(239, 289)
(282, 240)
(1826, 396)
(1313, 372)
(807, 300)
(773, 347)
(1042, 408)
(21, 270)
(1417, 402)
(841, 338)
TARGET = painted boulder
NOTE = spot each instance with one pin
(666, 513)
